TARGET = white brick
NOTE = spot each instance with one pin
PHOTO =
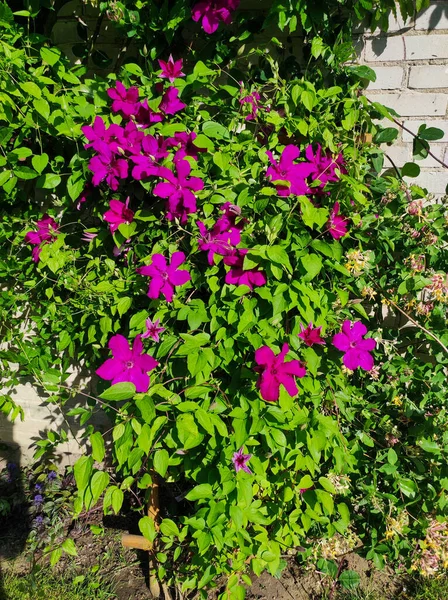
(398, 153)
(387, 78)
(384, 49)
(429, 76)
(414, 125)
(397, 23)
(434, 181)
(434, 17)
(413, 104)
(426, 47)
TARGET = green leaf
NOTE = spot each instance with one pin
(362, 72)
(215, 130)
(431, 134)
(312, 264)
(408, 487)
(82, 472)
(387, 135)
(305, 483)
(308, 99)
(42, 107)
(148, 528)
(69, 547)
(123, 305)
(50, 55)
(410, 170)
(119, 391)
(48, 181)
(204, 490)
(169, 527)
(98, 449)
(161, 459)
(39, 162)
(75, 185)
(117, 500)
(24, 173)
(31, 88)
(98, 484)
(349, 580)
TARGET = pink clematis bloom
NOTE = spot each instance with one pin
(171, 69)
(187, 146)
(357, 351)
(179, 191)
(254, 100)
(47, 230)
(88, 236)
(324, 166)
(170, 103)
(118, 214)
(238, 276)
(128, 141)
(106, 166)
(153, 330)
(154, 151)
(124, 101)
(146, 116)
(286, 170)
(165, 277)
(274, 372)
(128, 364)
(240, 461)
(100, 136)
(311, 335)
(337, 224)
(213, 11)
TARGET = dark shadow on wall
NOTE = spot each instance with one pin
(14, 510)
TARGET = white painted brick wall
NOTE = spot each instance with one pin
(428, 76)
(433, 18)
(388, 78)
(413, 104)
(426, 47)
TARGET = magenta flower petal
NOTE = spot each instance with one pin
(356, 349)
(110, 369)
(119, 347)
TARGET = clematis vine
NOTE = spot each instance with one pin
(356, 349)
(185, 142)
(171, 104)
(128, 364)
(253, 100)
(125, 101)
(224, 236)
(178, 191)
(211, 12)
(311, 335)
(107, 167)
(47, 231)
(165, 277)
(240, 461)
(153, 330)
(286, 170)
(118, 214)
(337, 225)
(323, 166)
(238, 276)
(274, 372)
(171, 69)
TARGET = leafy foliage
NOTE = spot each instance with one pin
(356, 459)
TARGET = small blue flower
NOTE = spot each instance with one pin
(38, 499)
(38, 521)
(52, 475)
(38, 487)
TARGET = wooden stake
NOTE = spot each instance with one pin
(139, 542)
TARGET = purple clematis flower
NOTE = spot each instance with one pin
(128, 364)
(165, 277)
(337, 224)
(254, 100)
(217, 242)
(213, 11)
(128, 141)
(47, 230)
(100, 136)
(240, 461)
(357, 351)
(274, 372)
(155, 150)
(124, 101)
(170, 103)
(311, 335)
(187, 146)
(323, 166)
(118, 214)
(153, 330)
(179, 191)
(106, 166)
(286, 170)
(171, 69)
(146, 116)
(238, 276)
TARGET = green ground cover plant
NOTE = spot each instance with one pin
(220, 242)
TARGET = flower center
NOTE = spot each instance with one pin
(129, 364)
(127, 215)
